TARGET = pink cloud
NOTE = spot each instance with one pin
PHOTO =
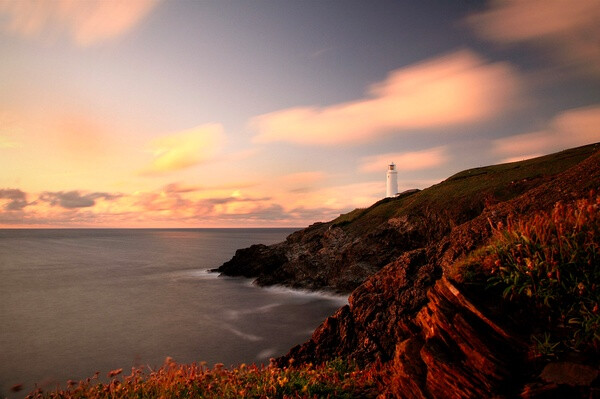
(416, 160)
(569, 30)
(87, 22)
(571, 128)
(457, 89)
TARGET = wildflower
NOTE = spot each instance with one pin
(113, 373)
(282, 381)
(581, 288)
(529, 263)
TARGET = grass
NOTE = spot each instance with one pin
(550, 265)
(335, 379)
(465, 194)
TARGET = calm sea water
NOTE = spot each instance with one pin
(73, 302)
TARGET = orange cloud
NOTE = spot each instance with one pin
(87, 22)
(176, 206)
(184, 149)
(568, 29)
(416, 160)
(456, 89)
(569, 129)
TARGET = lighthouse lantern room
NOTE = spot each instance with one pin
(392, 181)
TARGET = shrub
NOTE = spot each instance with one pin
(551, 264)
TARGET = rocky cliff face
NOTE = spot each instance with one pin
(434, 338)
(436, 341)
(326, 256)
(341, 254)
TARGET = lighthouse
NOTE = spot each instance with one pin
(392, 181)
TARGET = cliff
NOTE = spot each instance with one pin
(341, 254)
(431, 333)
(436, 337)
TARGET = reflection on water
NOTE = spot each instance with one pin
(73, 302)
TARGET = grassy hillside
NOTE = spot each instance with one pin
(466, 193)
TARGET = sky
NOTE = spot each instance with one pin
(276, 113)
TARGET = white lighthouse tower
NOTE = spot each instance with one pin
(392, 181)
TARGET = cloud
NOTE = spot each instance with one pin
(571, 128)
(185, 149)
(457, 89)
(178, 201)
(86, 22)
(74, 199)
(568, 30)
(416, 160)
(17, 199)
(168, 206)
(180, 188)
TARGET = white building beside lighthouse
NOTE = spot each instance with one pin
(392, 181)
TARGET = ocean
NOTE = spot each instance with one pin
(77, 301)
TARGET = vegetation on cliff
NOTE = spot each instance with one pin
(336, 379)
(550, 265)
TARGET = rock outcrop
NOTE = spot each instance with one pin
(326, 256)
